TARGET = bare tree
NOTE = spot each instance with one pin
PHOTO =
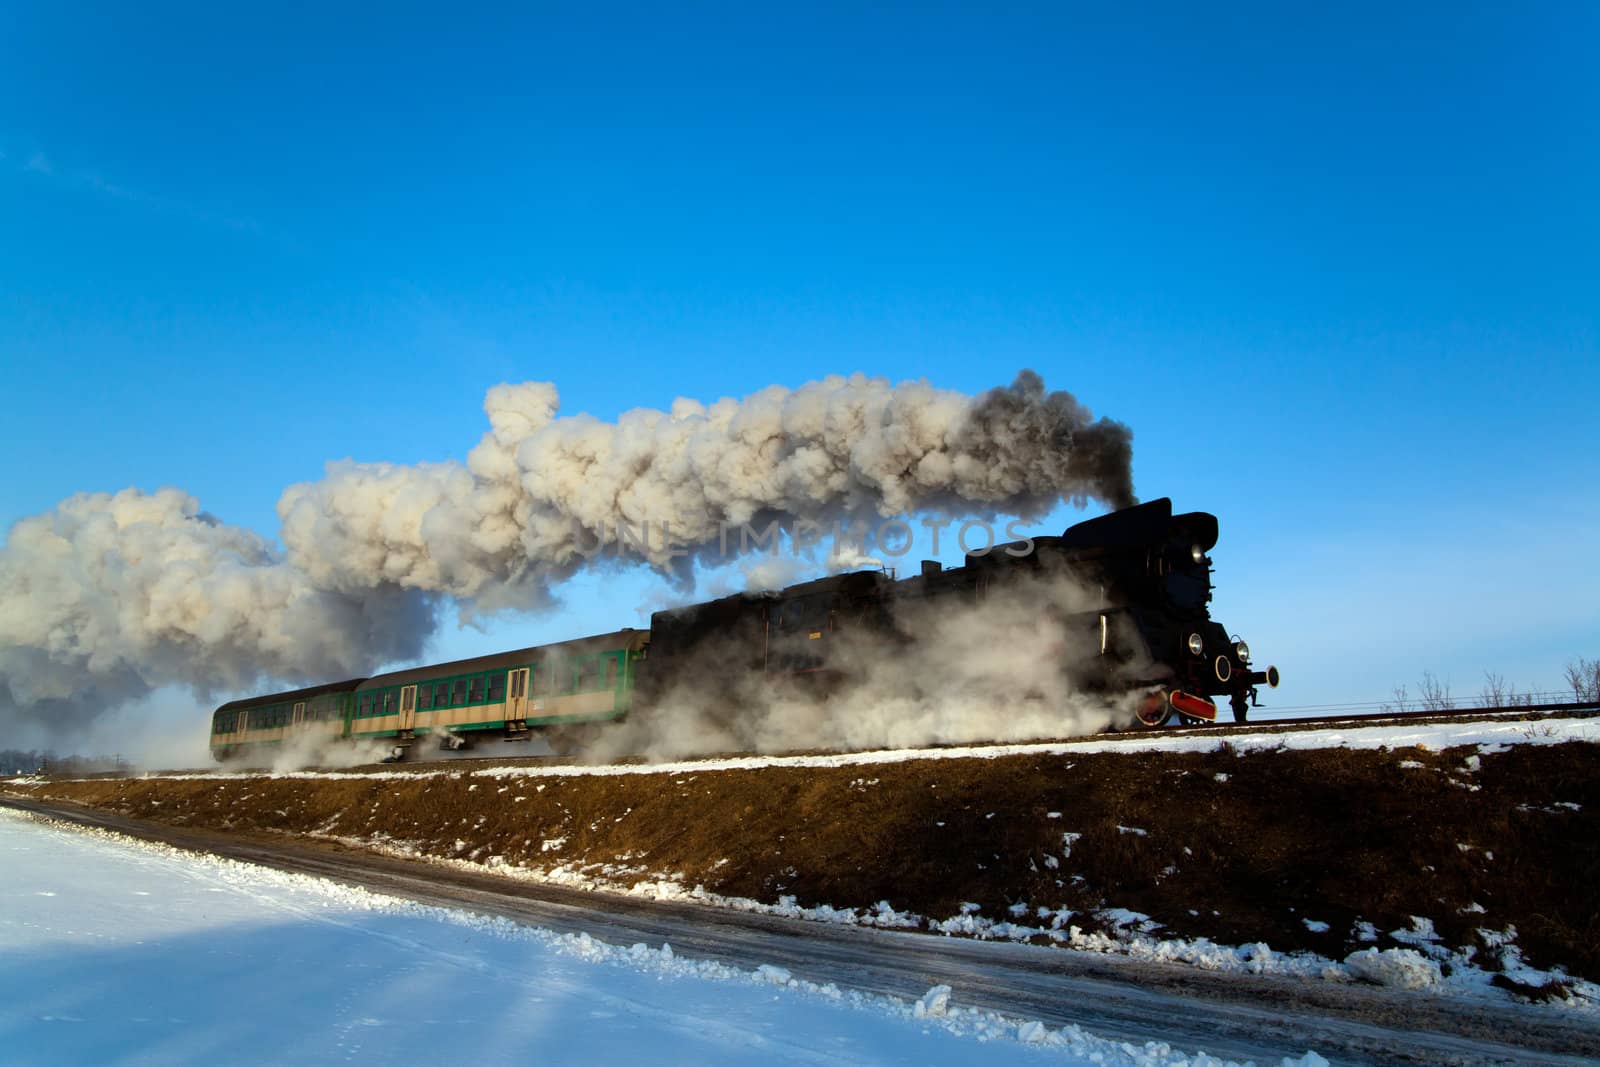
(1402, 702)
(1434, 695)
(1584, 677)
(1496, 691)
(1499, 693)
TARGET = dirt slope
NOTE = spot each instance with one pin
(1238, 848)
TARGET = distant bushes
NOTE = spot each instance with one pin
(1582, 677)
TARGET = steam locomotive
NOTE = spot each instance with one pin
(1130, 589)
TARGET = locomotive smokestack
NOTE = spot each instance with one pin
(109, 596)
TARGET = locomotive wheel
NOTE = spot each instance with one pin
(1154, 710)
(1241, 708)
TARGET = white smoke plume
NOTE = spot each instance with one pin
(108, 596)
(541, 495)
(312, 749)
(112, 595)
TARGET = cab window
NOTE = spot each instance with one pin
(1187, 590)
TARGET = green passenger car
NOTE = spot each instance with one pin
(588, 680)
(256, 725)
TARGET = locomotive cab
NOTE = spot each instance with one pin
(791, 636)
(806, 622)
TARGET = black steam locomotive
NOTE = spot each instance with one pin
(1129, 591)
(1131, 588)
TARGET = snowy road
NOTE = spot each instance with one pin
(1240, 1018)
(113, 950)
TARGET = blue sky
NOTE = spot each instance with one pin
(1337, 268)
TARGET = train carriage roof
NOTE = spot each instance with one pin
(293, 696)
(627, 639)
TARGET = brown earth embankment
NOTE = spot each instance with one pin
(1234, 847)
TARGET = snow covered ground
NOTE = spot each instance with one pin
(118, 951)
(1132, 934)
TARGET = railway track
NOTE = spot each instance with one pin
(508, 754)
(1560, 710)
(1577, 709)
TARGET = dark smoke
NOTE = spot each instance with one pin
(1058, 449)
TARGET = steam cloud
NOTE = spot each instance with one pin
(110, 595)
(1008, 668)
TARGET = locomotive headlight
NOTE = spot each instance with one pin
(1197, 553)
(1242, 650)
(1196, 646)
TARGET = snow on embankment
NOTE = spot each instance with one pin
(221, 931)
(1377, 854)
